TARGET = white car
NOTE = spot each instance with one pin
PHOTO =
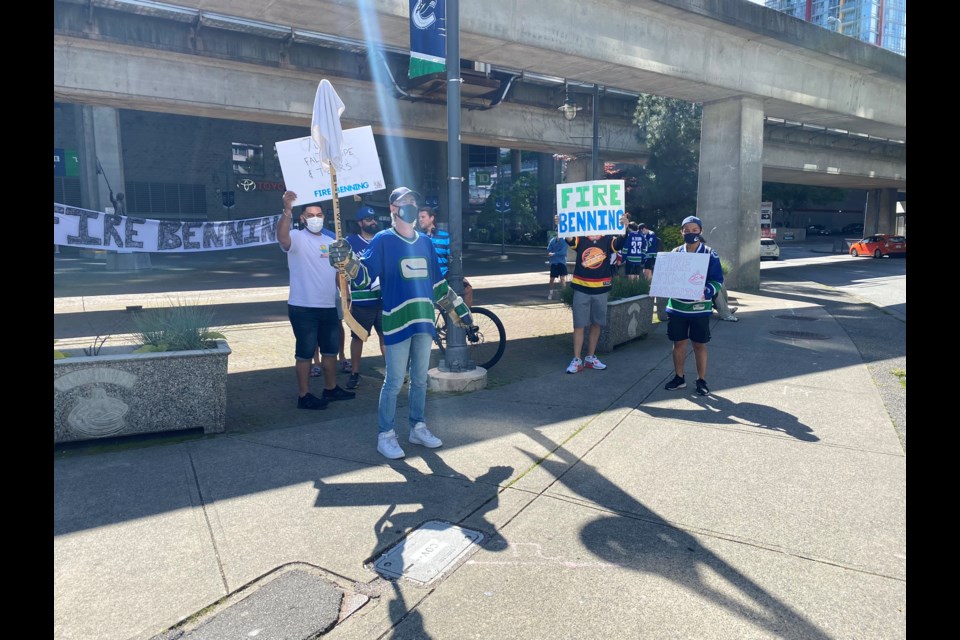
(769, 249)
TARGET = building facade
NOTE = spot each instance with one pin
(879, 22)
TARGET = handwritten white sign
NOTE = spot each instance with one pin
(591, 208)
(302, 173)
(680, 275)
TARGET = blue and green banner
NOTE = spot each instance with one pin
(428, 37)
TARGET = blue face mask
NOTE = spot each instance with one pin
(690, 238)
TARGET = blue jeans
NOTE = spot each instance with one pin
(416, 351)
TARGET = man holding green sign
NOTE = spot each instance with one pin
(591, 218)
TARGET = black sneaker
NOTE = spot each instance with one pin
(338, 394)
(702, 388)
(678, 382)
(354, 381)
(311, 401)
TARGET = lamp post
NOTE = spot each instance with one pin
(569, 110)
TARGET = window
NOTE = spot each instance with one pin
(166, 199)
(247, 159)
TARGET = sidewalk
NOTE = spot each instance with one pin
(609, 507)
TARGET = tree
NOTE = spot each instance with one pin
(667, 186)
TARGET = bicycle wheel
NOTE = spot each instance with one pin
(490, 338)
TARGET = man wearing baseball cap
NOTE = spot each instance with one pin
(690, 319)
(365, 304)
(406, 264)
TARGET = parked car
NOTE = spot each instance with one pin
(855, 229)
(769, 249)
(817, 230)
(880, 245)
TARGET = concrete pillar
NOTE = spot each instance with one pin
(578, 170)
(99, 136)
(881, 212)
(547, 186)
(730, 180)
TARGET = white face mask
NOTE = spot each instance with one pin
(314, 225)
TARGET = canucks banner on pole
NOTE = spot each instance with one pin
(428, 37)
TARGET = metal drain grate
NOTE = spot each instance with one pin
(427, 552)
(801, 335)
(807, 318)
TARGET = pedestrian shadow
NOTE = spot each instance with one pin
(394, 526)
(639, 539)
(714, 409)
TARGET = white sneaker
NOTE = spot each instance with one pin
(388, 446)
(419, 434)
(731, 318)
(593, 362)
(576, 366)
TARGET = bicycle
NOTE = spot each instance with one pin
(486, 340)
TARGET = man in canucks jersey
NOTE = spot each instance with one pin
(410, 283)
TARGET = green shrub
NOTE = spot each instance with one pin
(622, 287)
(181, 327)
(670, 238)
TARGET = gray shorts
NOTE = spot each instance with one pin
(589, 309)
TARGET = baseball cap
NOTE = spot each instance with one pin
(400, 192)
(694, 219)
(365, 212)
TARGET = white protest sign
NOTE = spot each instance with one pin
(680, 275)
(591, 208)
(302, 173)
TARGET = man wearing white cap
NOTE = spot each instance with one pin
(410, 283)
(690, 319)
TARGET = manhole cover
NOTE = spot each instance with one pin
(424, 555)
(801, 335)
(807, 318)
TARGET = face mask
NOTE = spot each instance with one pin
(690, 238)
(314, 225)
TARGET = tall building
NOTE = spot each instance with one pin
(880, 22)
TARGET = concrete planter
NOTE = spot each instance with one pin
(120, 393)
(627, 318)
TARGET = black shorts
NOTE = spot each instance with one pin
(650, 262)
(314, 328)
(695, 328)
(368, 316)
(633, 268)
(558, 270)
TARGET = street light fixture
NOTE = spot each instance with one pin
(569, 108)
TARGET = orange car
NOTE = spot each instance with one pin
(880, 245)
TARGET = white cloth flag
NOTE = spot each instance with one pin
(325, 129)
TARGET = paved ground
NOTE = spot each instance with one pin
(609, 508)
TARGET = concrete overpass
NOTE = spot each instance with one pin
(744, 62)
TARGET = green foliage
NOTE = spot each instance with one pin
(670, 129)
(901, 376)
(622, 287)
(181, 327)
(520, 224)
(670, 237)
(57, 354)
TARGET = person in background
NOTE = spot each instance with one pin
(311, 305)
(632, 251)
(557, 251)
(690, 319)
(427, 221)
(365, 305)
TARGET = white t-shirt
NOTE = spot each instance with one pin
(313, 281)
